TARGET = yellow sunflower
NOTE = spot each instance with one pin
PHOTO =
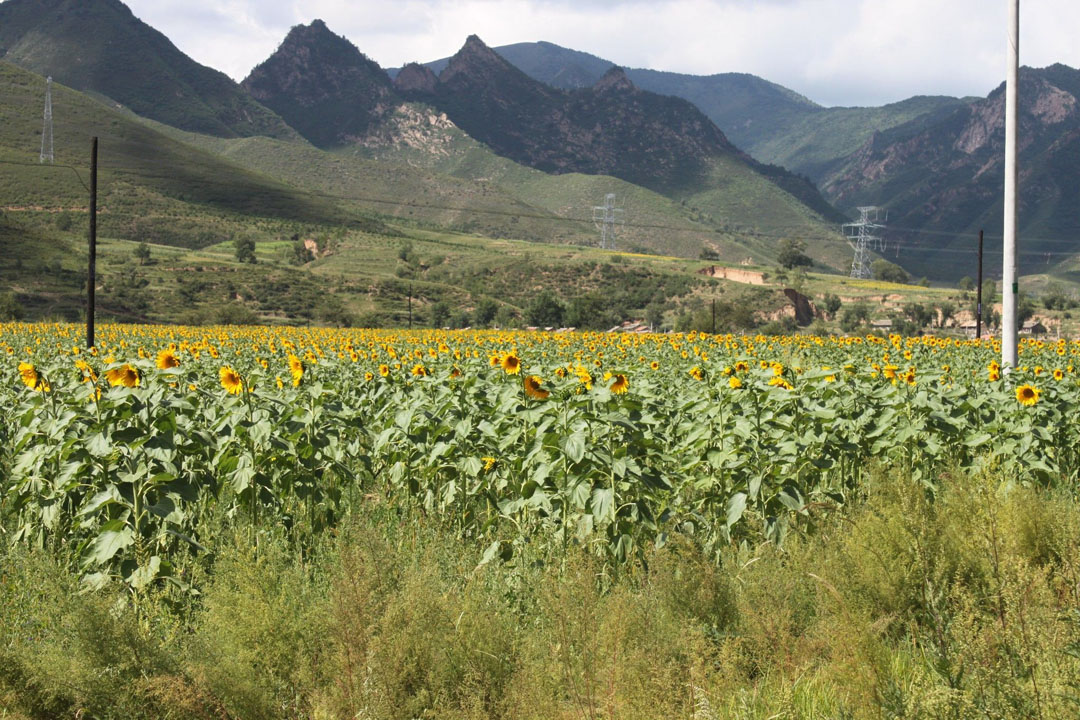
(384, 370)
(231, 380)
(125, 376)
(697, 373)
(419, 370)
(1027, 395)
(32, 379)
(167, 359)
(621, 384)
(534, 389)
(296, 369)
(511, 364)
(734, 382)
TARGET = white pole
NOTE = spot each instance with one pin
(1009, 286)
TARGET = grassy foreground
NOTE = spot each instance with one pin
(908, 603)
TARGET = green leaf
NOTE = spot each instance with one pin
(574, 446)
(113, 537)
(145, 575)
(736, 505)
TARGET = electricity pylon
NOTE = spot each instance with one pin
(47, 130)
(605, 216)
(861, 235)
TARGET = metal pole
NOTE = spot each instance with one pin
(1009, 285)
(91, 279)
(978, 302)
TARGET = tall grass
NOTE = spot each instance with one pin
(908, 604)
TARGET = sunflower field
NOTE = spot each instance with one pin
(125, 459)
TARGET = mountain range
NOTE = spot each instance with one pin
(726, 164)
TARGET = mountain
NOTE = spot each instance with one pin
(613, 128)
(99, 46)
(943, 173)
(151, 187)
(747, 108)
(323, 86)
(773, 124)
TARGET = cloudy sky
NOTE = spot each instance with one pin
(836, 52)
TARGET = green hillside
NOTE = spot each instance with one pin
(151, 187)
(99, 46)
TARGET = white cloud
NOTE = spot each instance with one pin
(834, 51)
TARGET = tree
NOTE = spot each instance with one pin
(886, 271)
(966, 284)
(245, 250)
(792, 254)
(300, 252)
(831, 304)
(854, 317)
(947, 312)
(545, 310)
(484, 312)
(589, 311)
(440, 314)
(10, 308)
(142, 253)
(654, 315)
(920, 315)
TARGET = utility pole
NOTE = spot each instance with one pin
(978, 301)
(1009, 285)
(605, 216)
(47, 129)
(860, 236)
(91, 279)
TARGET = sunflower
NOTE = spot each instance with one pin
(384, 370)
(889, 371)
(654, 365)
(32, 379)
(1058, 374)
(734, 382)
(296, 369)
(777, 381)
(87, 372)
(231, 380)
(280, 382)
(993, 374)
(419, 370)
(167, 359)
(1027, 395)
(697, 373)
(741, 366)
(489, 462)
(125, 376)
(369, 376)
(620, 385)
(533, 388)
(511, 364)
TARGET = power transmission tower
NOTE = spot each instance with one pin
(605, 216)
(47, 130)
(861, 236)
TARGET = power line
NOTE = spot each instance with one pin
(775, 233)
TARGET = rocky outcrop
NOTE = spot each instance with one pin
(323, 86)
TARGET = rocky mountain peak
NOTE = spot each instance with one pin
(475, 59)
(416, 79)
(614, 80)
(322, 85)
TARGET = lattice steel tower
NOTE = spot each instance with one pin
(861, 236)
(605, 216)
(47, 130)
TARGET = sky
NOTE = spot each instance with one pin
(836, 52)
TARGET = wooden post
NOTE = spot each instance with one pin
(978, 302)
(91, 280)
